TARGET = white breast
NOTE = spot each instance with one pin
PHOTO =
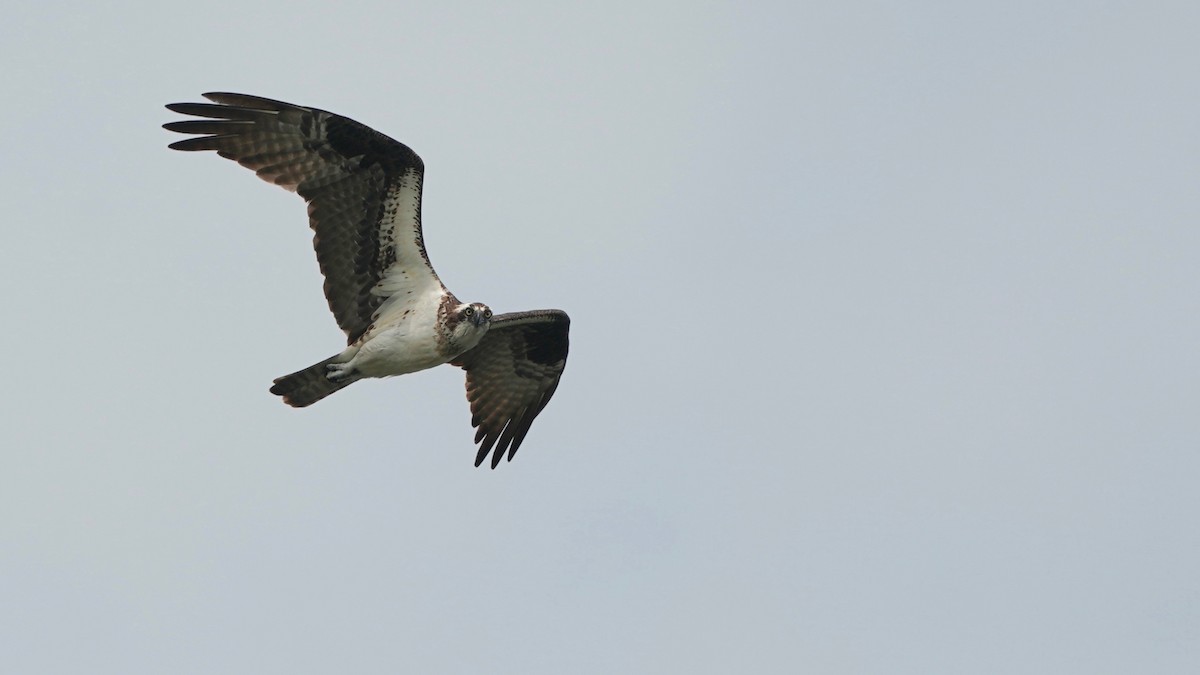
(404, 338)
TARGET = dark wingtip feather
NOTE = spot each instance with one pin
(248, 101)
(207, 126)
(199, 143)
(512, 450)
(197, 109)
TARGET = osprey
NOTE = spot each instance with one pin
(364, 205)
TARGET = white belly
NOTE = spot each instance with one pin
(396, 351)
(404, 339)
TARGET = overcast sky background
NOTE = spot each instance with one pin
(884, 343)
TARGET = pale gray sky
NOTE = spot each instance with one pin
(884, 343)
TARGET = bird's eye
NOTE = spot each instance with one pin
(487, 313)
(470, 311)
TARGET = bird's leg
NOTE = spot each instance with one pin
(340, 372)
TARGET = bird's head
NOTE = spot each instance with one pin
(468, 324)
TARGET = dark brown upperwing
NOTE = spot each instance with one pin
(511, 375)
(363, 190)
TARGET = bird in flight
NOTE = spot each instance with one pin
(363, 191)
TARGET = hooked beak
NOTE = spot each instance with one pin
(479, 319)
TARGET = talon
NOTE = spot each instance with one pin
(338, 372)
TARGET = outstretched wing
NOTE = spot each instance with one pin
(363, 191)
(511, 375)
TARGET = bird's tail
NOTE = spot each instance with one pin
(306, 387)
